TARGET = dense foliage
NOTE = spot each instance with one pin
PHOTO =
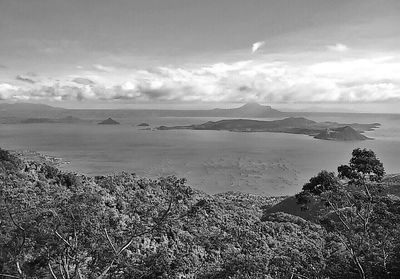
(62, 225)
(360, 218)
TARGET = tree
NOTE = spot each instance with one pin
(62, 225)
(356, 212)
(364, 166)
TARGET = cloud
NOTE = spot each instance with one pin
(257, 45)
(25, 79)
(267, 81)
(338, 47)
(83, 81)
(103, 68)
(7, 90)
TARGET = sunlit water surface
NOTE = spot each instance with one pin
(213, 161)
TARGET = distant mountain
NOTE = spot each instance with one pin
(26, 107)
(68, 120)
(346, 133)
(293, 125)
(253, 110)
(250, 110)
(15, 113)
(27, 110)
(109, 121)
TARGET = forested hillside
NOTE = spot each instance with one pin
(62, 225)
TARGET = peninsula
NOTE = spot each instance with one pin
(291, 125)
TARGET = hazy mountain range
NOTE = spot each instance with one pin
(40, 113)
(24, 111)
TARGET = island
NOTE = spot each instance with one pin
(109, 121)
(291, 125)
(345, 133)
(143, 125)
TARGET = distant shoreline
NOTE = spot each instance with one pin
(32, 155)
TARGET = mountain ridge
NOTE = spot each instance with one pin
(31, 110)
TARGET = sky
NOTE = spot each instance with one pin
(297, 54)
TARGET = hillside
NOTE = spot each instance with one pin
(124, 226)
(189, 233)
(290, 205)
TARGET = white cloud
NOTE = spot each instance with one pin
(103, 68)
(7, 91)
(264, 80)
(338, 47)
(257, 45)
(7, 87)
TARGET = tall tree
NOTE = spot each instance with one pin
(356, 211)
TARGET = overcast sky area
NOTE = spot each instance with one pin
(296, 54)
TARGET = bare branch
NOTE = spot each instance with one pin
(132, 238)
(109, 241)
(147, 231)
(51, 271)
(65, 265)
(105, 271)
(9, 276)
(61, 270)
(63, 239)
(19, 270)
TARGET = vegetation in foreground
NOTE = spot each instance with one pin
(61, 225)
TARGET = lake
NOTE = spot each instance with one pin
(212, 161)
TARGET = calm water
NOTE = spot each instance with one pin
(213, 161)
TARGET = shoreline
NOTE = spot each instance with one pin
(32, 155)
(60, 163)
